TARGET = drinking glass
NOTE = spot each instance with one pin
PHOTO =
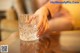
(28, 34)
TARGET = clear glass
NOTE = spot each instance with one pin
(28, 31)
(28, 34)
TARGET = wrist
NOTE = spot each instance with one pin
(53, 8)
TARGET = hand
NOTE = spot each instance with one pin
(41, 14)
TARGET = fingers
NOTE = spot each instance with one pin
(43, 25)
(46, 27)
(30, 19)
(41, 17)
(40, 22)
(40, 30)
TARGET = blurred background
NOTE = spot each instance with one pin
(10, 10)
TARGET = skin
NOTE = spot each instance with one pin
(45, 25)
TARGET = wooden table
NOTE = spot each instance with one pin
(46, 44)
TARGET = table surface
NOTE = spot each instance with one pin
(46, 44)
